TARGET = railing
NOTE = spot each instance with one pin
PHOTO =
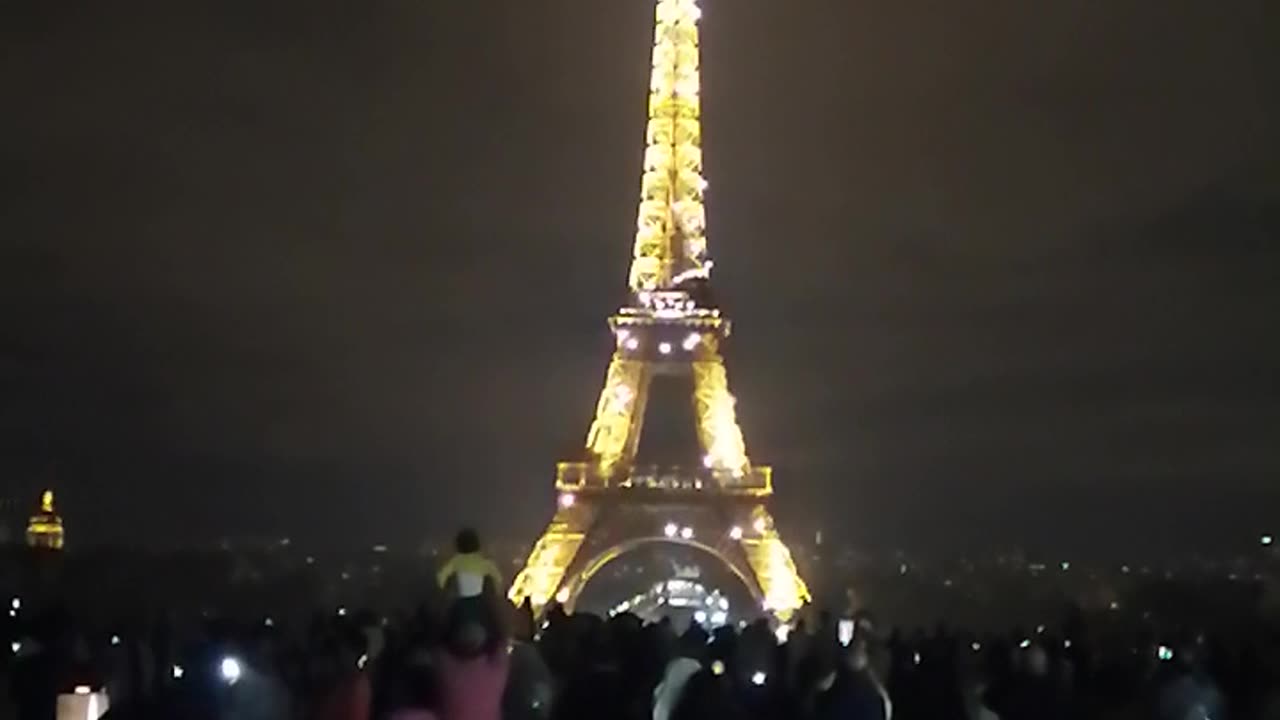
(582, 476)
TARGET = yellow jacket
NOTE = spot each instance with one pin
(470, 570)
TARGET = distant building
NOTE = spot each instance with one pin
(44, 531)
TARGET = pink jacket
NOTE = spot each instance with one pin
(472, 689)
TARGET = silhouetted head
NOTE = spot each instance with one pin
(467, 541)
(469, 634)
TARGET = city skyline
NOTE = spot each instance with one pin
(1000, 274)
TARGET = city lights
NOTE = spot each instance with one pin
(664, 348)
(691, 341)
(735, 532)
(670, 530)
(567, 500)
(760, 525)
(686, 533)
(230, 670)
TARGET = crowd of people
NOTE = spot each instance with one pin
(472, 658)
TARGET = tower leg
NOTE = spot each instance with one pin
(713, 406)
(614, 432)
(552, 555)
(784, 591)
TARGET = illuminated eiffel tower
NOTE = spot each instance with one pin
(671, 327)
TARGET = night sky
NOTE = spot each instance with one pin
(1001, 271)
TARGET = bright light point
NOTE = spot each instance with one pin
(82, 690)
(230, 669)
(759, 525)
(977, 647)
(916, 658)
(708, 461)
(15, 647)
(670, 530)
(269, 622)
(1065, 566)
(1266, 540)
(717, 667)
(177, 672)
(13, 613)
(1026, 643)
(719, 618)
(664, 348)
(1039, 629)
(735, 533)
(700, 617)
(342, 612)
(686, 533)
(758, 678)
(1115, 605)
(632, 343)
(692, 341)
(782, 633)
(562, 595)
(115, 639)
(567, 500)
(362, 661)
(16, 603)
(1066, 644)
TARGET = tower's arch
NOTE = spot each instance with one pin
(577, 581)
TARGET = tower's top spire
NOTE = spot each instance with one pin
(46, 502)
(671, 243)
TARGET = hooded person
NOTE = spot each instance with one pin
(669, 690)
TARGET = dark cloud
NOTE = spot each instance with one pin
(268, 267)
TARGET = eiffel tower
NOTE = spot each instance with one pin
(671, 329)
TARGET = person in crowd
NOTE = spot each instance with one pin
(1186, 692)
(669, 691)
(848, 690)
(347, 694)
(469, 573)
(1032, 693)
(708, 693)
(473, 666)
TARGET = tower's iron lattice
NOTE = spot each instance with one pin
(608, 502)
